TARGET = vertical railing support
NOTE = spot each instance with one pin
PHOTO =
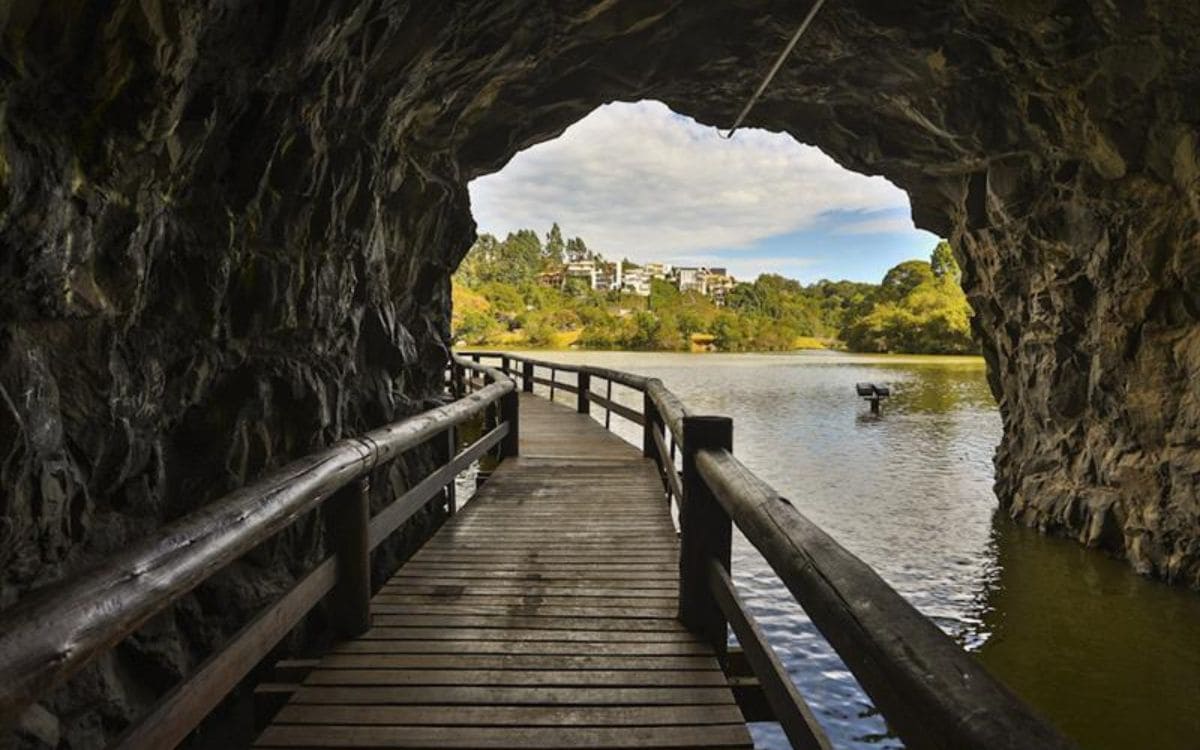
(552, 381)
(347, 515)
(650, 422)
(583, 404)
(705, 532)
(527, 377)
(608, 406)
(451, 488)
(504, 364)
(510, 413)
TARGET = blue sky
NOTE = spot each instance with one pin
(639, 181)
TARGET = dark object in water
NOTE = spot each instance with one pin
(873, 393)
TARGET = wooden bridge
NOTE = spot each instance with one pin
(560, 608)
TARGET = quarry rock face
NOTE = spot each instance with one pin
(227, 230)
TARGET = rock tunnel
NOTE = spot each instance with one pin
(228, 230)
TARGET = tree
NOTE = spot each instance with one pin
(899, 282)
(917, 313)
(663, 294)
(943, 264)
(499, 297)
(555, 249)
(577, 250)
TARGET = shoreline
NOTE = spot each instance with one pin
(888, 356)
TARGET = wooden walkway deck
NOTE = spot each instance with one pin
(541, 616)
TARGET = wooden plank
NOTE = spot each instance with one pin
(525, 634)
(635, 579)
(629, 624)
(519, 678)
(525, 601)
(517, 661)
(514, 716)
(528, 610)
(513, 696)
(534, 566)
(540, 568)
(501, 738)
(609, 582)
(554, 648)
(576, 592)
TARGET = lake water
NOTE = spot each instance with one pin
(1112, 658)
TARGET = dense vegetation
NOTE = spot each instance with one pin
(500, 299)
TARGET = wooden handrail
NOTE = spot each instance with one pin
(932, 692)
(51, 634)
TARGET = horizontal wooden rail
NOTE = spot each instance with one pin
(933, 694)
(789, 707)
(631, 414)
(186, 705)
(51, 634)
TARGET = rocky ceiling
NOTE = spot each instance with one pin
(227, 229)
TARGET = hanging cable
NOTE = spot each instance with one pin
(812, 12)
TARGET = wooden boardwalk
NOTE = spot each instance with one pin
(542, 615)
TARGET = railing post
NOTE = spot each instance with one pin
(705, 532)
(608, 406)
(583, 404)
(346, 516)
(650, 423)
(504, 364)
(527, 377)
(451, 488)
(510, 412)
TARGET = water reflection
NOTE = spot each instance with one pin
(1112, 658)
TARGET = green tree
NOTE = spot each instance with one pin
(943, 264)
(902, 279)
(555, 249)
(577, 250)
(918, 312)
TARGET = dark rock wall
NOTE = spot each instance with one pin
(227, 228)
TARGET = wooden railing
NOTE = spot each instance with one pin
(52, 634)
(932, 693)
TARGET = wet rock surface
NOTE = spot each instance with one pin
(227, 231)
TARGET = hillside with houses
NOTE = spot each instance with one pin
(526, 291)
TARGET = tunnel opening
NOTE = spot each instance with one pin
(662, 231)
(234, 222)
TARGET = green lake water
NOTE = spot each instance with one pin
(1110, 657)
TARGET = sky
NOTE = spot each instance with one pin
(637, 180)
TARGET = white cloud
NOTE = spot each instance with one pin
(641, 181)
(881, 225)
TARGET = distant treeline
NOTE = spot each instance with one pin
(501, 298)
